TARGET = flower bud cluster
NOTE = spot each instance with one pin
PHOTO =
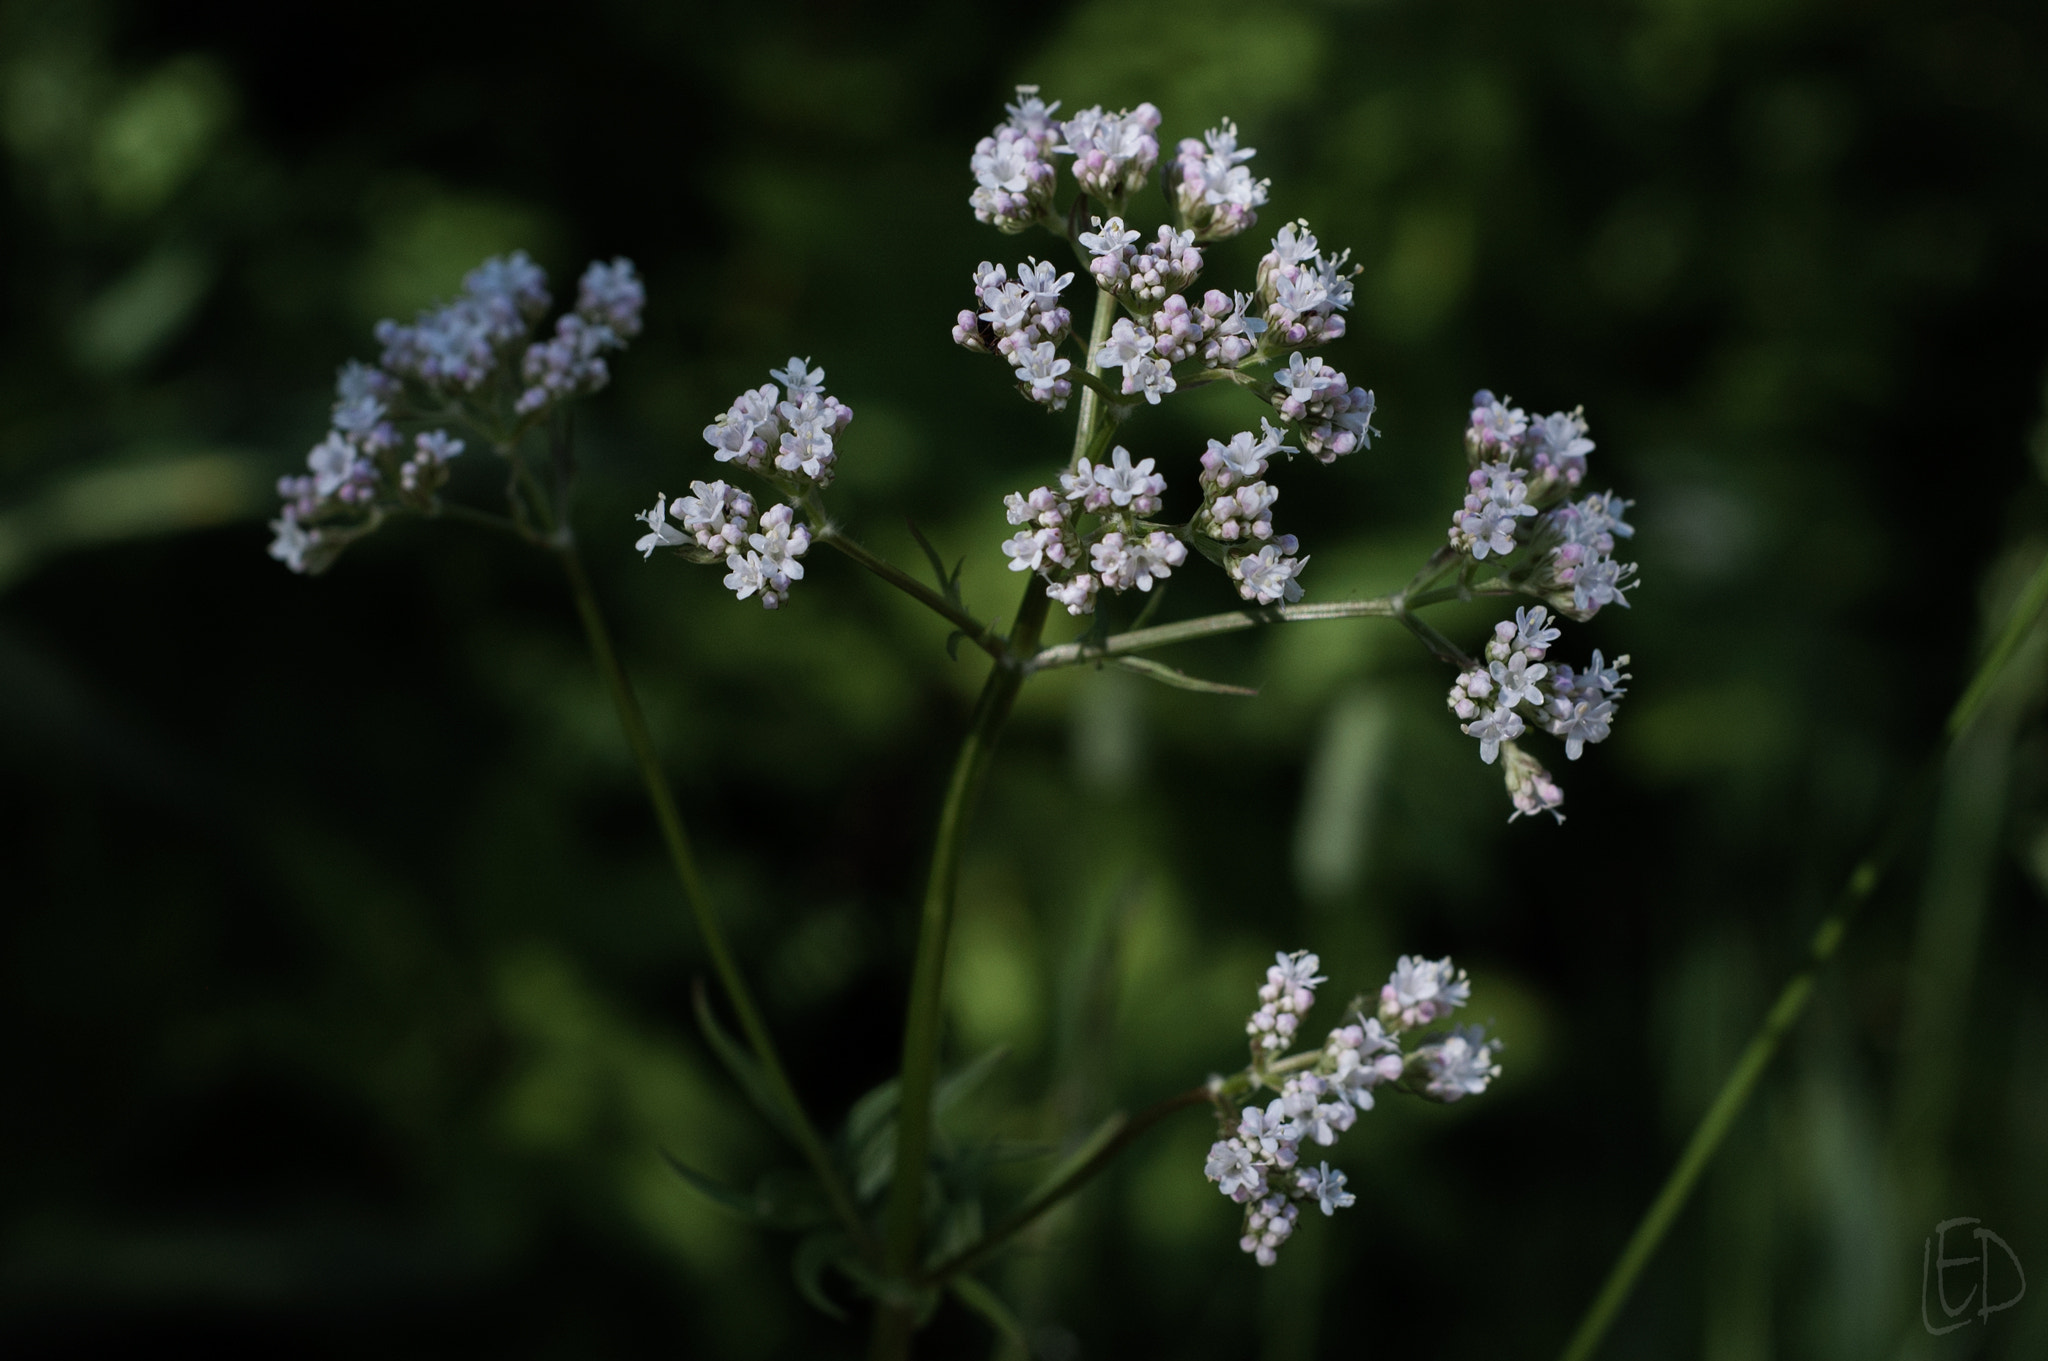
(457, 361)
(1334, 417)
(1013, 175)
(1237, 511)
(1258, 1161)
(1217, 196)
(802, 427)
(1113, 153)
(607, 315)
(1024, 322)
(1119, 552)
(1516, 689)
(1302, 292)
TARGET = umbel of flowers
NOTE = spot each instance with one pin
(1099, 524)
(1320, 1093)
(477, 363)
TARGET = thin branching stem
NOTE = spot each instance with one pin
(983, 635)
(684, 860)
(1233, 621)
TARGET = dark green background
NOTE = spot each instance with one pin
(345, 991)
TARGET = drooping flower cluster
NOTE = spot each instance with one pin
(1523, 469)
(1083, 537)
(1320, 1094)
(473, 361)
(1515, 689)
(783, 435)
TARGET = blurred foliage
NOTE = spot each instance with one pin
(349, 991)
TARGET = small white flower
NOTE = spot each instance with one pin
(800, 378)
(1231, 1167)
(661, 533)
(1461, 1066)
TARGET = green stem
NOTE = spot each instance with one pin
(903, 1213)
(1721, 1116)
(1791, 1003)
(983, 636)
(664, 804)
(1234, 621)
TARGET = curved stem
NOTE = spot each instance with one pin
(983, 636)
(1025, 1215)
(685, 862)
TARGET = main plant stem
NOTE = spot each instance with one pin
(902, 1217)
(662, 799)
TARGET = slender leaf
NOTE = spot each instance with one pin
(722, 1196)
(813, 1255)
(1179, 680)
(990, 1306)
(741, 1064)
(949, 583)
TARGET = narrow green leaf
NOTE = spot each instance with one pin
(813, 1255)
(990, 1306)
(722, 1196)
(741, 1064)
(966, 1078)
(1179, 680)
(949, 586)
(1088, 1148)
(953, 644)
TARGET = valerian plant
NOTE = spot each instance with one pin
(894, 1210)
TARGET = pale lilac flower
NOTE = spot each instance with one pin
(1517, 680)
(1041, 375)
(1422, 990)
(1325, 1185)
(1495, 726)
(718, 517)
(1231, 1167)
(1113, 153)
(1217, 195)
(612, 296)
(1461, 1065)
(1271, 575)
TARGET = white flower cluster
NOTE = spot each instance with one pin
(1162, 341)
(1237, 512)
(1119, 551)
(1113, 152)
(1334, 417)
(1524, 467)
(1303, 292)
(761, 555)
(1516, 689)
(1013, 177)
(1024, 322)
(1258, 1162)
(1217, 196)
(802, 426)
(461, 357)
